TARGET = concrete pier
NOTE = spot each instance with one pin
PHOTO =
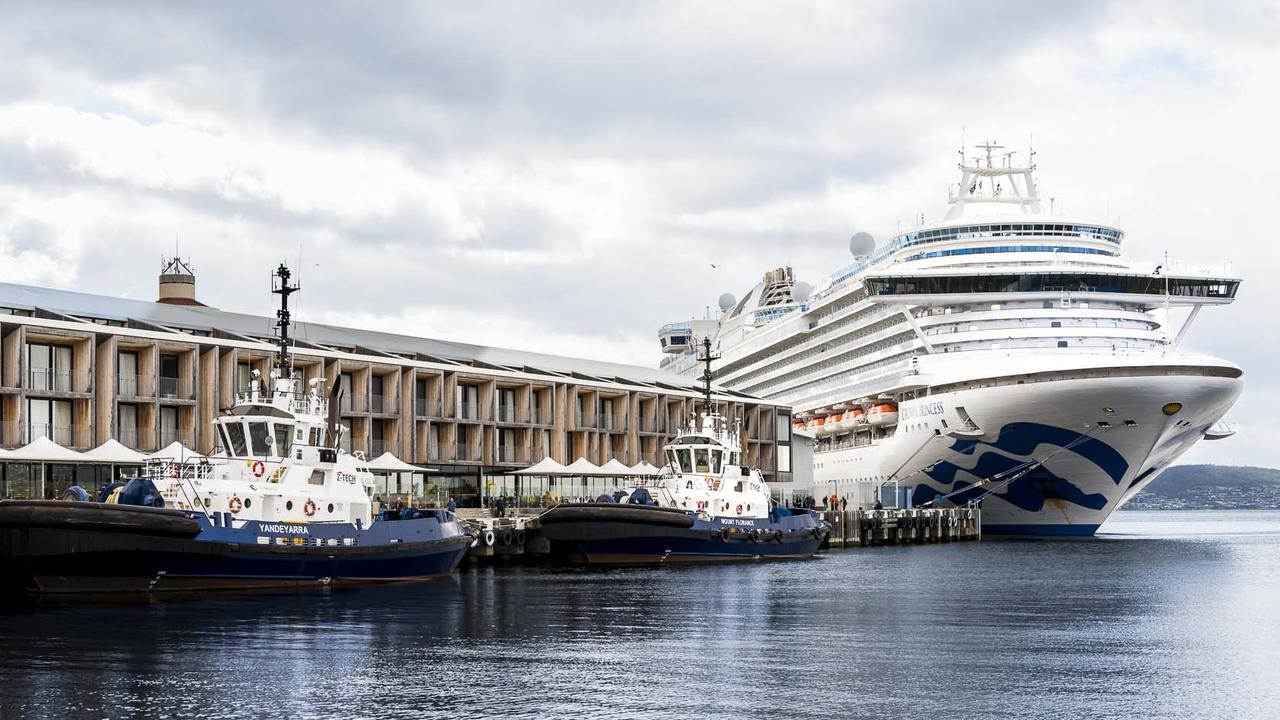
(517, 537)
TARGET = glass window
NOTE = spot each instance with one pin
(315, 437)
(784, 458)
(686, 460)
(782, 425)
(260, 438)
(284, 439)
(701, 463)
(716, 456)
(235, 437)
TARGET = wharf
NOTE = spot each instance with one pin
(517, 537)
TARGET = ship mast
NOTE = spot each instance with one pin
(280, 286)
(707, 357)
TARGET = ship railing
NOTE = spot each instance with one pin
(299, 403)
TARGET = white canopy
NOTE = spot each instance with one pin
(386, 462)
(114, 453)
(615, 468)
(645, 468)
(545, 466)
(582, 466)
(176, 451)
(42, 449)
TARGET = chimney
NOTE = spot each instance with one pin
(177, 282)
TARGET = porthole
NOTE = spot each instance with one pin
(248, 502)
(288, 505)
(330, 507)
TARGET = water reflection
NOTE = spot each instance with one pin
(1158, 617)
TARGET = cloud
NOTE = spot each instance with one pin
(561, 176)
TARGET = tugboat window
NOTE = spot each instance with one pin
(284, 440)
(260, 438)
(235, 433)
(715, 462)
(685, 461)
(701, 462)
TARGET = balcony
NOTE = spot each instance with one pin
(354, 403)
(51, 380)
(172, 435)
(377, 446)
(463, 452)
(128, 437)
(512, 455)
(468, 411)
(134, 386)
(612, 423)
(173, 388)
(426, 407)
(584, 421)
(379, 403)
(542, 416)
(433, 451)
(61, 434)
(506, 414)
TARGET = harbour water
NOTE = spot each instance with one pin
(1164, 614)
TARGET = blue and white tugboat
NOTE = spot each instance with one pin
(704, 507)
(282, 507)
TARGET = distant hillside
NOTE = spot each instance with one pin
(1197, 487)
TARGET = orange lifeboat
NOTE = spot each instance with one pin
(883, 414)
(856, 417)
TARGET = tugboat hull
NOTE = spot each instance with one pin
(622, 534)
(58, 549)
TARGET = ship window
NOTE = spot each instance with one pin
(260, 438)
(317, 477)
(686, 465)
(284, 439)
(315, 437)
(701, 463)
(235, 436)
(671, 458)
(715, 461)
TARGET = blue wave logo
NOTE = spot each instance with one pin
(1030, 491)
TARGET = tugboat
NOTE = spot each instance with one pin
(282, 507)
(704, 507)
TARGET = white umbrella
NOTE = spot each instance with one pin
(386, 462)
(176, 451)
(582, 466)
(42, 449)
(645, 468)
(616, 469)
(545, 466)
(113, 453)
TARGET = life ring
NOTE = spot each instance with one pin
(234, 505)
(519, 537)
(739, 508)
(507, 537)
(309, 508)
(259, 468)
(488, 538)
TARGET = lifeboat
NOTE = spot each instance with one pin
(820, 428)
(883, 414)
(858, 416)
(835, 423)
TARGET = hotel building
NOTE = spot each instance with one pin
(80, 369)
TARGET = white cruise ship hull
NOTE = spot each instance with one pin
(1078, 471)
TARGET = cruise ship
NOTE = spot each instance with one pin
(1002, 353)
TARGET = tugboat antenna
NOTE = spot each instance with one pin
(280, 286)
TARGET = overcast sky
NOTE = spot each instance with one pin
(562, 176)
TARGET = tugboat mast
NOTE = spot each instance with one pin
(707, 357)
(280, 286)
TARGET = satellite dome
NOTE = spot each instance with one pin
(727, 301)
(861, 244)
(801, 291)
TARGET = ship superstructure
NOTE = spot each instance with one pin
(1002, 352)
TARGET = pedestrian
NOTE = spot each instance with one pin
(879, 505)
(844, 503)
(452, 506)
(825, 499)
(502, 506)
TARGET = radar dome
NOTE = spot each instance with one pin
(727, 301)
(801, 291)
(861, 244)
